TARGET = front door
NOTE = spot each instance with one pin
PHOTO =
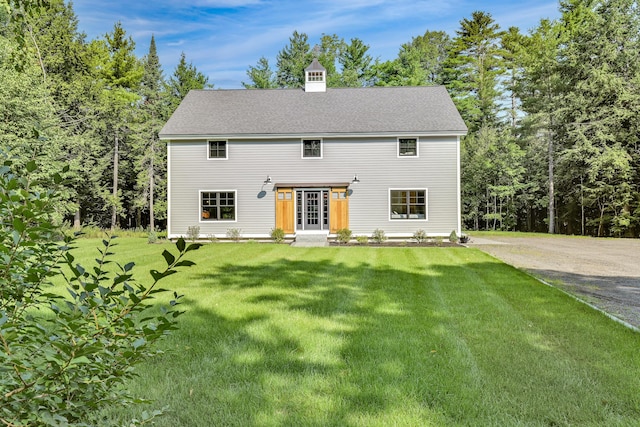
(312, 210)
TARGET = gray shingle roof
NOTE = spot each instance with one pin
(339, 111)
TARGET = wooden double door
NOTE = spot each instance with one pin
(300, 209)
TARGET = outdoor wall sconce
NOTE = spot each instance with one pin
(268, 180)
(355, 179)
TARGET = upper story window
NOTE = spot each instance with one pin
(315, 76)
(407, 147)
(312, 148)
(217, 149)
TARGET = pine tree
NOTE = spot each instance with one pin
(356, 64)
(121, 73)
(148, 151)
(472, 70)
(185, 77)
(600, 109)
(261, 76)
(292, 60)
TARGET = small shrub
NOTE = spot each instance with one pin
(363, 240)
(453, 237)
(234, 234)
(277, 235)
(152, 237)
(438, 240)
(212, 238)
(343, 235)
(193, 232)
(378, 236)
(67, 356)
(420, 236)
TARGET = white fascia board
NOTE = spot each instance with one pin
(309, 135)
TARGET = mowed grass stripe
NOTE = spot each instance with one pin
(357, 336)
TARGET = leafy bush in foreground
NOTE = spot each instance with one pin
(63, 358)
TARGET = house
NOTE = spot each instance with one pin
(315, 160)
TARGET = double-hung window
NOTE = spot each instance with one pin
(218, 205)
(407, 147)
(217, 149)
(408, 204)
(312, 148)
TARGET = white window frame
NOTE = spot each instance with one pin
(226, 149)
(407, 156)
(311, 139)
(217, 221)
(426, 204)
(315, 76)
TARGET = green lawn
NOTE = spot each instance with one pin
(355, 336)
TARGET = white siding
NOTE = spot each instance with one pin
(375, 161)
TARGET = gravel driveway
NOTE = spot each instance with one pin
(602, 272)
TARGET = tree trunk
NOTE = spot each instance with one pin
(116, 156)
(582, 204)
(77, 225)
(552, 206)
(152, 225)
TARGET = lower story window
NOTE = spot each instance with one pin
(218, 205)
(408, 204)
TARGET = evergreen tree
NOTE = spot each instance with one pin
(356, 64)
(539, 89)
(600, 108)
(185, 77)
(121, 73)
(292, 60)
(473, 68)
(148, 151)
(261, 76)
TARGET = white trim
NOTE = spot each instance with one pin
(459, 195)
(218, 221)
(226, 149)
(407, 156)
(190, 137)
(169, 143)
(426, 202)
(311, 139)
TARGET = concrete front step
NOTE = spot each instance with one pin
(311, 239)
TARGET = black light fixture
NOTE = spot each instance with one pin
(355, 179)
(268, 180)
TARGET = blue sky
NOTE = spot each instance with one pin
(222, 38)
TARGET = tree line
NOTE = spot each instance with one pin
(553, 114)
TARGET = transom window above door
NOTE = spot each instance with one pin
(217, 150)
(312, 148)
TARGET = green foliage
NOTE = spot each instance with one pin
(277, 235)
(292, 60)
(234, 234)
(362, 239)
(420, 236)
(261, 76)
(378, 236)
(66, 356)
(193, 233)
(453, 236)
(185, 78)
(343, 235)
